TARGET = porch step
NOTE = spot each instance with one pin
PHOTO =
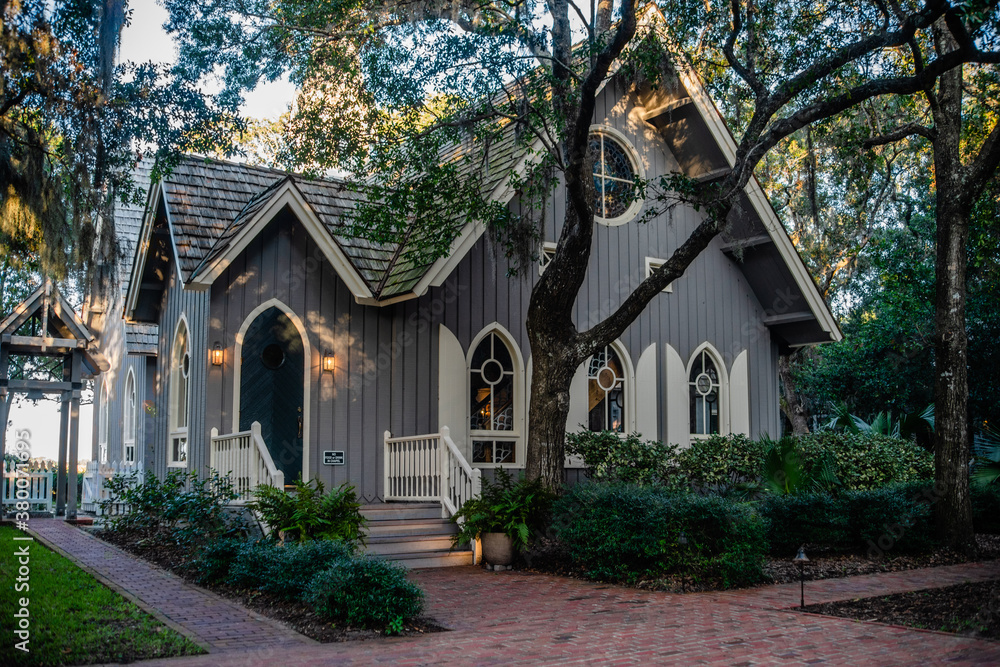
(413, 535)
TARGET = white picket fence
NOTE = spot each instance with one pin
(429, 467)
(95, 478)
(33, 483)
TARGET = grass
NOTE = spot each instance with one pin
(74, 619)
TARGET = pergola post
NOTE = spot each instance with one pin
(63, 446)
(74, 436)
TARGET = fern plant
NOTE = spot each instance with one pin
(309, 513)
(505, 506)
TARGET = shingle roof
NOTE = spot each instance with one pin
(141, 338)
(128, 221)
(209, 202)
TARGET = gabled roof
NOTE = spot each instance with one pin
(59, 328)
(213, 209)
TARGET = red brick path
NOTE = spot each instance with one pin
(215, 623)
(518, 618)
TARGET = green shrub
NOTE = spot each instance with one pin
(610, 457)
(624, 532)
(864, 461)
(805, 518)
(180, 509)
(986, 508)
(724, 464)
(893, 519)
(515, 508)
(309, 513)
(211, 565)
(366, 592)
(283, 570)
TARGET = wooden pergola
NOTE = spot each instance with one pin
(45, 348)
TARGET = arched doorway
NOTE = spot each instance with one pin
(271, 388)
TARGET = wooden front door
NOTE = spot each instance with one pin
(271, 385)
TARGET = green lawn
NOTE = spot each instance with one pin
(74, 619)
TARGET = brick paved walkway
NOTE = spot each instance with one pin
(517, 618)
(211, 621)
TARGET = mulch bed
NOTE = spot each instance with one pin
(298, 616)
(549, 556)
(971, 609)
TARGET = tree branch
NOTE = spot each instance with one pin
(908, 130)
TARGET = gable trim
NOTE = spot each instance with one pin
(287, 195)
(141, 250)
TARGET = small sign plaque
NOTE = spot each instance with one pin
(331, 458)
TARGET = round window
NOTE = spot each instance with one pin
(272, 356)
(615, 172)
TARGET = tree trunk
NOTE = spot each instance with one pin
(791, 405)
(551, 376)
(953, 510)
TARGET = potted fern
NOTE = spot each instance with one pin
(503, 517)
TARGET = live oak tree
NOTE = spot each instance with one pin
(390, 89)
(965, 136)
(72, 126)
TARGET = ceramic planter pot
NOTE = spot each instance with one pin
(498, 548)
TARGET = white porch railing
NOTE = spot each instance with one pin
(430, 468)
(32, 483)
(244, 457)
(95, 478)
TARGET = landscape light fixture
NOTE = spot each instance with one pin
(217, 354)
(801, 559)
(328, 360)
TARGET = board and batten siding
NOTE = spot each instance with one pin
(176, 302)
(386, 367)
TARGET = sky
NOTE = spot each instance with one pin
(143, 40)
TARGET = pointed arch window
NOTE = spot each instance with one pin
(129, 420)
(705, 387)
(102, 425)
(606, 392)
(180, 369)
(492, 405)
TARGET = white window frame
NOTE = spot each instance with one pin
(628, 387)
(626, 144)
(102, 424)
(516, 434)
(548, 251)
(720, 367)
(129, 419)
(177, 445)
(654, 263)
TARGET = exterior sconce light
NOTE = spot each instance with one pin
(801, 559)
(328, 360)
(217, 354)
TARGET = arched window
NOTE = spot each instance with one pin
(129, 419)
(705, 385)
(180, 368)
(606, 392)
(102, 425)
(493, 407)
(616, 168)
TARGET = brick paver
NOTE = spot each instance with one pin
(215, 623)
(514, 618)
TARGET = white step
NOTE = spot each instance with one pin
(427, 559)
(402, 527)
(407, 511)
(396, 545)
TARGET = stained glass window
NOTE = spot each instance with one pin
(491, 402)
(606, 392)
(705, 389)
(614, 177)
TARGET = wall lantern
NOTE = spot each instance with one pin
(328, 360)
(217, 354)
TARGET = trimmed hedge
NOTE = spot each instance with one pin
(986, 508)
(723, 463)
(611, 458)
(896, 519)
(865, 461)
(623, 532)
(367, 592)
(283, 570)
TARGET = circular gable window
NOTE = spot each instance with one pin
(616, 168)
